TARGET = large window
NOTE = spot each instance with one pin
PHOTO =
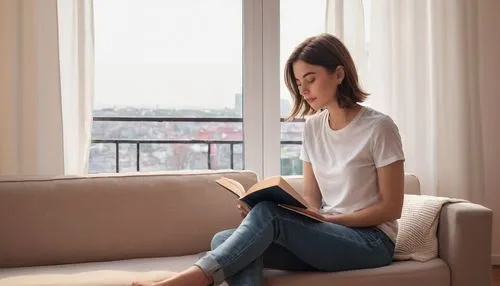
(171, 71)
(197, 84)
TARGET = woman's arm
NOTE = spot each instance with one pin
(311, 189)
(391, 186)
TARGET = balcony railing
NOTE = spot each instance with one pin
(208, 142)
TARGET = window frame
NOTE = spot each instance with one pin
(261, 87)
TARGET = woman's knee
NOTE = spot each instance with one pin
(220, 237)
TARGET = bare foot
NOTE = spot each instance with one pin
(192, 276)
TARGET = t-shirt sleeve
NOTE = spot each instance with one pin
(303, 149)
(387, 147)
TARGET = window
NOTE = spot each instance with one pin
(193, 84)
(168, 85)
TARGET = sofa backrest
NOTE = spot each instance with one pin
(45, 221)
(113, 217)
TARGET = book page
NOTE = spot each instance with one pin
(231, 185)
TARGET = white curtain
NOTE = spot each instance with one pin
(30, 118)
(345, 20)
(39, 124)
(422, 70)
(76, 53)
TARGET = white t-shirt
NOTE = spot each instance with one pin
(344, 161)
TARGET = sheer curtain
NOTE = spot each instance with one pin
(422, 70)
(30, 117)
(76, 54)
(45, 91)
(345, 20)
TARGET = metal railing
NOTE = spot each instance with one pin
(209, 143)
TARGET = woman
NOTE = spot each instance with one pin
(353, 176)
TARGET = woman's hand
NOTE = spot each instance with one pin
(243, 208)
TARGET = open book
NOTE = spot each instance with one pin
(274, 189)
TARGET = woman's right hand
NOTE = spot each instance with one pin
(243, 208)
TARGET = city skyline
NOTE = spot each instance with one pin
(181, 155)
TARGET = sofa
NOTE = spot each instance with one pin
(117, 228)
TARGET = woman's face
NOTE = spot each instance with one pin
(316, 84)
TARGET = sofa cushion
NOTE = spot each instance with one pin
(112, 273)
(119, 273)
(409, 273)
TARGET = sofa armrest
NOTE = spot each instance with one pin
(464, 237)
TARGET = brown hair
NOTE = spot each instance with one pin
(329, 52)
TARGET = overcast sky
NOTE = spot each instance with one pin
(182, 54)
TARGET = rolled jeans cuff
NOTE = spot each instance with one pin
(211, 268)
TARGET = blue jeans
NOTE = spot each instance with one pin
(273, 237)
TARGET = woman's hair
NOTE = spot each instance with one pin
(329, 52)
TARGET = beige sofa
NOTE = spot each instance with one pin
(111, 230)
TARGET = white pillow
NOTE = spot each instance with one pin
(417, 233)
